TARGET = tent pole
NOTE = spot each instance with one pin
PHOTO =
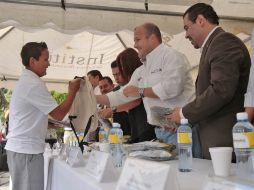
(7, 32)
(120, 39)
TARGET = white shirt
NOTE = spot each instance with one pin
(249, 96)
(29, 107)
(167, 71)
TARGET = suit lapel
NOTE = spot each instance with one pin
(206, 46)
(208, 42)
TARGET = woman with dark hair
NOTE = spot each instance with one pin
(127, 62)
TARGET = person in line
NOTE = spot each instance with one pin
(221, 82)
(162, 80)
(119, 117)
(94, 76)
(120, 80)
(106, 85)
(30, 105)
(126, 63)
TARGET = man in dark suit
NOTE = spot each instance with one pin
(222, 79)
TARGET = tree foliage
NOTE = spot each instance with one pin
(59, 97)
(5, 96)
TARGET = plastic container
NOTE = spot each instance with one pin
(243, 138)
(115, 141)
(184, 139)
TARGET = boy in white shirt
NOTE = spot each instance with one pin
(29, 108)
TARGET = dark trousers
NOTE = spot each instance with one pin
(196, 144)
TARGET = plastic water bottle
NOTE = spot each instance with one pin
(243, 137)
(102, 135)
(184, 139)
(115, 141)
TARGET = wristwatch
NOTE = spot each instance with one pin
(114, 109)
(141, 92)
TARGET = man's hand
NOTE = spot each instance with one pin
(105, 113)
(174, 116)
(131, 91)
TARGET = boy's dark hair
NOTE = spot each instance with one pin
(32, 49)
(127, 62)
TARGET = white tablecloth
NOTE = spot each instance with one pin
(48, 165)
(65, 177)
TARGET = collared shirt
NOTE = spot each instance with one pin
(167, 71)
(30, 105)
(207, 37)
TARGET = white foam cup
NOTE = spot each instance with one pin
(221, 159)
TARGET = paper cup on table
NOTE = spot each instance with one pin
(104, 147)
(221, 159)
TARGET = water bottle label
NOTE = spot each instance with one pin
(113, 139)
(102, 137)
(184, 138)
(243, 140)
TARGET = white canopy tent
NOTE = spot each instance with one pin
(74, 53)
(75, 48)
(70, 54)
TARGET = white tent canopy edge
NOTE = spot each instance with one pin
(91, 13)
(70, 48)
